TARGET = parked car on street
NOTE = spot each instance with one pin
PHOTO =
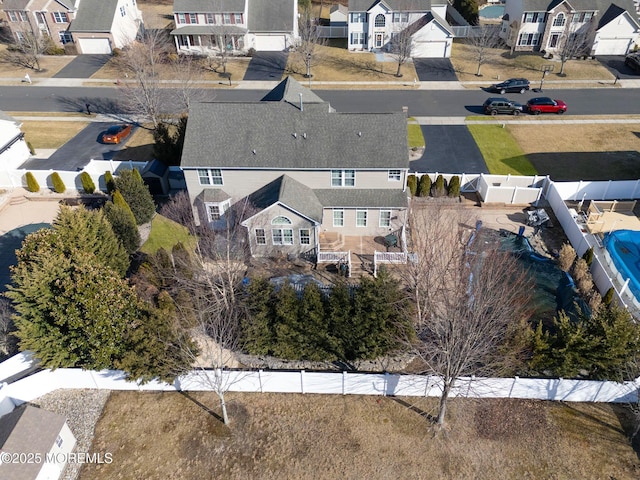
(520, 85)
(633, 61)
(539, 105)
(502, 106)
(117, 133)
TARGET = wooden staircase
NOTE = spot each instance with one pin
(331, 241)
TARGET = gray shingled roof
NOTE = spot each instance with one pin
(27, 429)
(270, 15)
(289, 90)
(394, 5)
(362, 197)
(213, 195)
(209, 30)
(14, 4)
(291, 193)
(94, 16)
(268, 135)
(204, 6)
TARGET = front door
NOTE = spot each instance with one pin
(553, 40)
(379, 39)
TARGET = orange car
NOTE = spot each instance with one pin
(116, 133)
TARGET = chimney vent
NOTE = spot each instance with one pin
(253, 151)
(295, 135)
(304, 135)
(359, 134)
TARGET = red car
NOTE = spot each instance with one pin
(116, 133)
(539, 105)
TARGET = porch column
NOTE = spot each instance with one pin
(175, 39)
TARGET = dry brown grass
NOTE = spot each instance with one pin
(341, 65)
(50, 65)
(139, 147)
(156, 14)
(527, 66)
(600, 137)
(46, 134)
(168, 436)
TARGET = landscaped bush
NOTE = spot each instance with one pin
(87, 183)
(439, 188)
(580, 270)
(412, 184)
(123, 225)
(566, 257)
(454, 186)
(32, 150)
(109, 183)
(424, 186)
(32, 183)
(136, 194)
(58, 184)
(588, 256)
(608, 297)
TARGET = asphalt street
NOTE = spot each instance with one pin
(445, 103)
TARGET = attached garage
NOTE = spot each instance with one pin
(613, 46)
(431, 49)
(94, 45)
(270, 43)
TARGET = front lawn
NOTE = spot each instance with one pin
(50, 134)
(501, 151)
(416, 139)
(165, 234)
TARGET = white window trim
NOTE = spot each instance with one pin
(181, 18)
(281, 233)
(333, 217)
(60, 17)
(343, 178)
(308, 237)
(393, 176)
(210, 176)
(366, 217)
(193, 18)
(222, 208)
(65, 37)
(285, 220)
(381, 224)
(123, 12)
(210, 19)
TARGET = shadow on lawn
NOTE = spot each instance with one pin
(426, 415)
(202, 406)
(571, 166)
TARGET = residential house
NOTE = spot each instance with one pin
(14, 150)
(294, 171)
(40, 440)
(338, 15)
(373, 23)
(204, 27)
(40, 17)
(102, 25)
(610, 27)
(92, 26)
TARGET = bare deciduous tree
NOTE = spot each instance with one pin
(309, 32)
(27, 51)
(573, 44)
(483, 39)
(401, 45)
(470, 298)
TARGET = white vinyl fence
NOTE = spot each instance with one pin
(336, 383)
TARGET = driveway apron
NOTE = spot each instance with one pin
(435, 70)
(83, 66)
(449, 148)
(266, 66)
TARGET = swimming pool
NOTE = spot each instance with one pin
(492, 11)
(623, 248)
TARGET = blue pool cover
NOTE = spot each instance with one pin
(624, 249)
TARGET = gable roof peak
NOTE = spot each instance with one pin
(291, 91)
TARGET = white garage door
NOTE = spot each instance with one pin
(430, 50)
(613, 46)
(94, 45)
(270, 43)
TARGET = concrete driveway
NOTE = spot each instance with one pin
(615, 64)
(266, 66)
(435, 70)
(449, 148)
(83, 66)
(78, 151)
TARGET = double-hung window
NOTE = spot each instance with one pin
(338, 217)
(181, 17)
(385, 218)
(226, 18)
(359, 17)
(361, 218)
(357, 38)
(210, 176)
(261, 238)
(343, 178)
(211, 19)
(193, 18)
(60, 17)
(65, 37)
(400, 18)
(123, 12)
(534, 17)
(238, 18)
(529, 39)
(305, 236)
(395, 175)
(279, 235)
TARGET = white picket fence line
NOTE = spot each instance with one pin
(335, 383)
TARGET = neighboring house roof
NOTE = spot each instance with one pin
(579, 5)
(340, 8)
(362, 197)
(211, 6)
(614, 11)
(270, 15)
(291, 193)
(27, 429)
(69, 4)
(426, 20)
(209, 30)
(94, 16)
(394, 5)
(14, 4)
